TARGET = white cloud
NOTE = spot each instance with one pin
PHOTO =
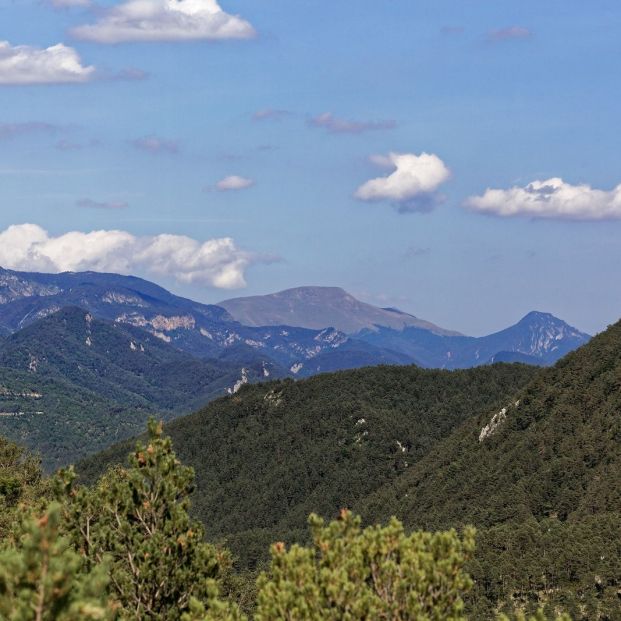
(552, 198)
(165, 20)
(58, 64)
(335, 125)
(215, 262)
(412, 186)
(234, 182)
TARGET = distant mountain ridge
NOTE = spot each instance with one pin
(306, 330)
(321, 307)
(538, 338)
(202, 330)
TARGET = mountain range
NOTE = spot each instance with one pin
(538, 338)
(320, 307)
(71, 383)
(305, 330)
(530, 456)
(204, 331)
(103, 352)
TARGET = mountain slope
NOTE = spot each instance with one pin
(28, 296)
(318, 308)
(537, 338)
(553, 449)
(201, 330)
(273, 453)
(541, 479)
(71, 384)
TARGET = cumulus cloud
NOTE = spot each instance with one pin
(89, 203)
(234, 182)
(165, 20)
(552, 198)
(334, 125)
(506, 34)
(58, 64)
(153, 144)
(215, 262)
(413, 184)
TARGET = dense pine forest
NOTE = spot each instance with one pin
(273, 453)
(482, 494)
(126, 548)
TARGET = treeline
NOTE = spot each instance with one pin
(126, 548)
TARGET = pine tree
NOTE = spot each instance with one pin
(42, 579)
(21, 484)
(376, 573)
(138, 519)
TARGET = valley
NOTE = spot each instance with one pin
(514, 433)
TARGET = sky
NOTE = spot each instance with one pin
(460, 160)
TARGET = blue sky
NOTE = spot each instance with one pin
(136, 135)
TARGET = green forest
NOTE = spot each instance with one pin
(96, 383)
(380, 493)
(127, 548)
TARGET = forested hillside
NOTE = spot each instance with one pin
(531, 458)
(71, 384)
(554, 450)
(543, 474)
(268, 456)
(126, 549)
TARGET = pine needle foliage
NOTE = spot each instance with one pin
(137, 517)
(43, 579)
(352, 574)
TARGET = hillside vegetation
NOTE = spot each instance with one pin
(544, 478)
(554, 452)
(270, 455)
(71, 385)
(531, 458)
(127, 549)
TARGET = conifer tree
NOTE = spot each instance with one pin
(377, 573)
(138, 519)
(21, 484)
(42, 579)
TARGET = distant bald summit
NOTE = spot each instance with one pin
(538, 338)
(320, 307)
